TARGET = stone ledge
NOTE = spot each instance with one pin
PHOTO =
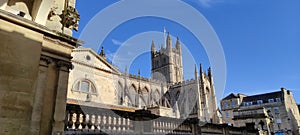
(37, 27)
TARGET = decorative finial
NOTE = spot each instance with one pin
(139, 73)
(126, 71)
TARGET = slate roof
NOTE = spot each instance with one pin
(231, 96)
(264, 97)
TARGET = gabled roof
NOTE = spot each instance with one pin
(231, 96)
(100, 60)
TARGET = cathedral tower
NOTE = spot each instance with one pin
(167, 62)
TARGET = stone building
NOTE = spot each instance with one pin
(228, 104)
(134, 91)
(96, 82)
(274, 113)
(36, 46)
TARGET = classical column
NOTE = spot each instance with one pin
(61, 97)
(37, 107)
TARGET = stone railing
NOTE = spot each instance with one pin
(170, 126)
(83, 120)
(97, 121)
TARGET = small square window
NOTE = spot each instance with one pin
(232, 103)
(278, 121)
(278, 100)
(248, 103)
(271, 100)
(225, 105)
(259, 102)
(276, 110)
(227, 114)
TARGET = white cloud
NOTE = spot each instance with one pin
(208, 3)
(116, 42)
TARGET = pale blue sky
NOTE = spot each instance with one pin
(260, 38)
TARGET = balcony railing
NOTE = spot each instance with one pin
(89, 120)
(84, 120)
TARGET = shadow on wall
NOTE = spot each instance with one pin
(19, 64)
(293, 121)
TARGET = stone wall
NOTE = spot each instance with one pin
(34, 70)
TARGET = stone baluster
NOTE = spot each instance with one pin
(119, 123)
(87, 120)
(108, 122)
(93, 120)
(160, 126)
(97, 121)
(105, 125)
(74, 120)
(80, 120)
(123, 124)
(129, 123)
(113, 122)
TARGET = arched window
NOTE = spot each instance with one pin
(156, 97)
(84, 86)
(142, 101)
(132, 95)
(119, 94)
(145, 95)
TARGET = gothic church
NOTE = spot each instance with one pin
(97, 82)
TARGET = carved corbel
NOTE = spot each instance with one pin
(65, 66)
(45, 60)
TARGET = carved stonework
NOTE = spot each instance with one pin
(46, 59)
(70, 18)
(52, 12)
(67, 65)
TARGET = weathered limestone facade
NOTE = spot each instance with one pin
(172, 97)
(275, 112)
(34, 68)
(228, 104)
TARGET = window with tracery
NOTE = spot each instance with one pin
(84, 86)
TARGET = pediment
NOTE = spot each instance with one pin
(89, 57)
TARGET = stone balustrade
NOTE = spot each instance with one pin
(83, 120)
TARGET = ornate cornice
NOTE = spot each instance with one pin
(65, 64)
(57, 41)
(47, 60)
